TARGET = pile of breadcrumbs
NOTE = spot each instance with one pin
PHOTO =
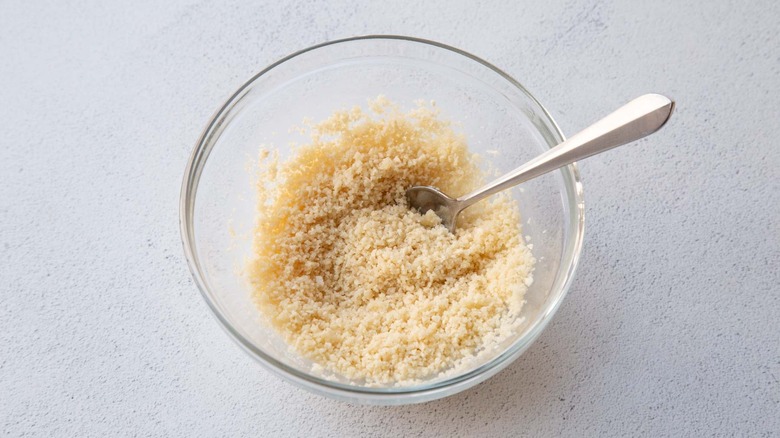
(361, 284)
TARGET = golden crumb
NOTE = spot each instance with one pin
(362, 285)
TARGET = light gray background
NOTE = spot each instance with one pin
(672, 326)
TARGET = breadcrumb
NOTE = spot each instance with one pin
(358, 282)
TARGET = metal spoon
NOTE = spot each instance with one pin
(634, 120)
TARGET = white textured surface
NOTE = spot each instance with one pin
(671, 328)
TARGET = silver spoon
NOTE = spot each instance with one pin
(634, 120)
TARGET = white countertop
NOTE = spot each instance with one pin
(672, 327)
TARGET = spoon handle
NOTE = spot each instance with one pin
(634, 120)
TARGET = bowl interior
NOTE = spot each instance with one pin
(502, 123)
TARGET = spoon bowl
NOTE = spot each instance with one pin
(426, 198)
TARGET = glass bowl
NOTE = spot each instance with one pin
(501, 120)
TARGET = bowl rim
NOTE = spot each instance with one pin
(342, 391)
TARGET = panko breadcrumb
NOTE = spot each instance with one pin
(355, 280)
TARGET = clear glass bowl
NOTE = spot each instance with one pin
(501, 120)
